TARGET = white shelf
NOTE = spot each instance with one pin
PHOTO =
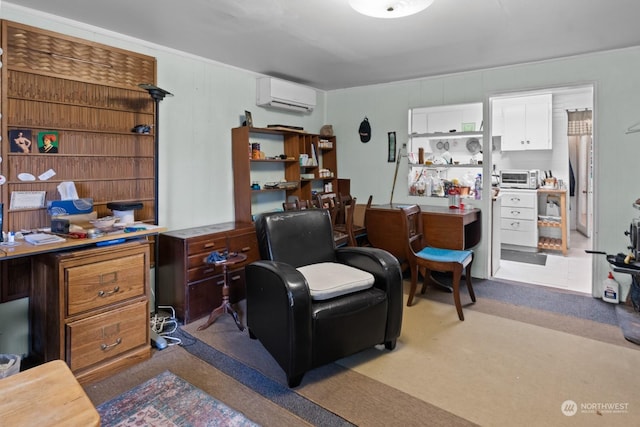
(447, 135)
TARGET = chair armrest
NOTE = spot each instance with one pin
(279, 313)
(388, 277)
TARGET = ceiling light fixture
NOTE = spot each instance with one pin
(389, 8)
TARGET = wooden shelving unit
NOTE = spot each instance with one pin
(555, 244)
(88, 93)
(275, 142)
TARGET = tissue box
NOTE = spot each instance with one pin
(70, 207)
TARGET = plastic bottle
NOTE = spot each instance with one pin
(477, 188)
(610, 289)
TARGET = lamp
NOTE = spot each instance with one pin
(158, 95)
(389, 8)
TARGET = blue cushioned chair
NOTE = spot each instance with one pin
(433, 259)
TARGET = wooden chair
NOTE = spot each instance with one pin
(359, 220)
(290, 206)
(304, 204)
(433, 259)
(329, 202)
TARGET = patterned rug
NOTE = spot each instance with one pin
(168, 400)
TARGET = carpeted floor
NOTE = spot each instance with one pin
(507, 363)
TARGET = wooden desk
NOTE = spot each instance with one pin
(46, 395)
(443, 227)
(26, 249)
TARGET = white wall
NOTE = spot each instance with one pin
(195, 153)
(617, 106)
(196, 177)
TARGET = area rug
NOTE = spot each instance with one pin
(168, 400)
(522, 256)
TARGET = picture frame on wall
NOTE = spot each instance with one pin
(48, 142)
(391, 156)
(248, 119)
(21, 141)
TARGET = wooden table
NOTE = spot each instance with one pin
(225, 307)
(46, 395)
(443, 227)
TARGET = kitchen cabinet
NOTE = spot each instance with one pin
(552, 229)
(90, 308)
(518, 217)
(526, 122)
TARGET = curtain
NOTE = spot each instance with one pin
(580, 122)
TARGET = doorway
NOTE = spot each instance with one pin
(571, 160)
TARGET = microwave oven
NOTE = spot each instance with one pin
(519, 178)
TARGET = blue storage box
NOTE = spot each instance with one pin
(70, 207)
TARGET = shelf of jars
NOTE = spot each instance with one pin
(430, 181)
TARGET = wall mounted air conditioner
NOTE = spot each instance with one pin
(276, 93)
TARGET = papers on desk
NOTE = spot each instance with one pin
(42, 239)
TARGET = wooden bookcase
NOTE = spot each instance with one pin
(275, 142)
(88, 93)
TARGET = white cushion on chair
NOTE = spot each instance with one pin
(330, 279)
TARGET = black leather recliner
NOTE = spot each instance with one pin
(303, 332)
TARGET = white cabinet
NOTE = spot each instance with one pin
(526, 122)
(518, 217)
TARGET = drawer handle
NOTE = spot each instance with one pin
(234, 278)
(105, 347)
(209, 245)
(515, 199)
(515, 212)
(246, 249)
(209, 270)
(104, 294)
(515, 224)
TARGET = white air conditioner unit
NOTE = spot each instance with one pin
(276, 93)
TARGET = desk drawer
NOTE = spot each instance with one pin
(203, 272)
(245, 244)
(206, 245)
(525, 199)
(518, 213)
(98, 284)
(525, 226)
(106, 336)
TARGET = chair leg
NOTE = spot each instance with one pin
(457, 274)
(469, 286)
(426, 278)
(414, 283)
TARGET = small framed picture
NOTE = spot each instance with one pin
(248, 119)
(391, 156)
(48, 142)
(21, 141)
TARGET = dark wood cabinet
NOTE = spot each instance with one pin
(187, 282)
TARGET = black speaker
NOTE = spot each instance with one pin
(60, 226)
